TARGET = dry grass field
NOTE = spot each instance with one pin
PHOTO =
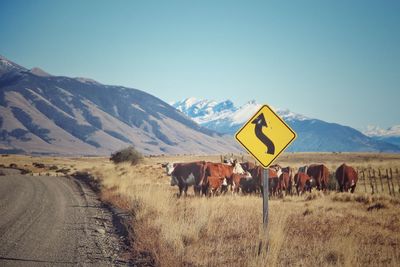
(333, 229)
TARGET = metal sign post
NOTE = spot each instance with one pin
(265, 198)
(265, 136)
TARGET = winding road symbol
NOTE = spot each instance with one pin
(260, 122)
(265, 135)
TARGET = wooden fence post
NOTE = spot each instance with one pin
(380, 178)
(398, 179)
(365, 181)
(388, 181)
(370, 181)
(391, 178)
(375, 183)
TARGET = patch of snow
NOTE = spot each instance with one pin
(225, 113)
(373, 130)
(137, 107)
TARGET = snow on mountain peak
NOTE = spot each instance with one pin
(373, 130)
(224, 116)
(288, 115)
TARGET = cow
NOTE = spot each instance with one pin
(221, 170)
(302, 169)
(347, 178)
(248, 185)
(247, 166)
(274, 186)
(215, 185)
(186, 174)
(302, 183)
(320, 175)
(273, 179)
(242, 181)
(285, 183)
(285, 179)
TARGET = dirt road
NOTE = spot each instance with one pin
(55, 221)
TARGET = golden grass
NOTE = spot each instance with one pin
(333, 229)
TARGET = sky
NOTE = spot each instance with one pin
(338, 61)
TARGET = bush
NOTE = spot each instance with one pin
(129, 154)
(53, 168)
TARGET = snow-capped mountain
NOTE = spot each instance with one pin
(389, 135)
(377, 131)
(313, 134)
(224, 116)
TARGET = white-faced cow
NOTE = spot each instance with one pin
(223, 171)
(187, 174)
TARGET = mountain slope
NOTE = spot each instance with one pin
(313, 135)
(40, 113)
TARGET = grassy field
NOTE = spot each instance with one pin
(333, 229)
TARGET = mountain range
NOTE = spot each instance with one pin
(312, 134)
(389, 135)
(45, 114)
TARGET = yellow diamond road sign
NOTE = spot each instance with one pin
(265, 136)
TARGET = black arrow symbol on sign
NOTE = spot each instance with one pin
(260, 122)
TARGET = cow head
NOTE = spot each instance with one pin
(278, 169)
(237, 169)
(169, 168)
(229, 161)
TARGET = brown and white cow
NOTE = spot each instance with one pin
(302, 183)
(187, 174)
(242, 181)
(285, 178)
(247, 166)
(221, 170)
(347, 178)
(319, 175)
(215, 185)
(273, 179)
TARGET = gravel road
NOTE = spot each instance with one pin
(55, 221)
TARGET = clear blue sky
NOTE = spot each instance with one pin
(334, 60)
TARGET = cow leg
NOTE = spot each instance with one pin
(197, 190)
(204, 189)
(352, 189)
(180, 191)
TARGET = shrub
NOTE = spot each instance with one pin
(332, 183)
(53, 168)
(129, 154)
(39, 165)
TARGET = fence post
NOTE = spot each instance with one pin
(380, 178)
(370, 181)
(375, 183)
(391, 177)
(365, 181)
(388, 181)
(398, 179)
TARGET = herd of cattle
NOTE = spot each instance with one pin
(209, 178)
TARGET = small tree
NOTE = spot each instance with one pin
(129, 154)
